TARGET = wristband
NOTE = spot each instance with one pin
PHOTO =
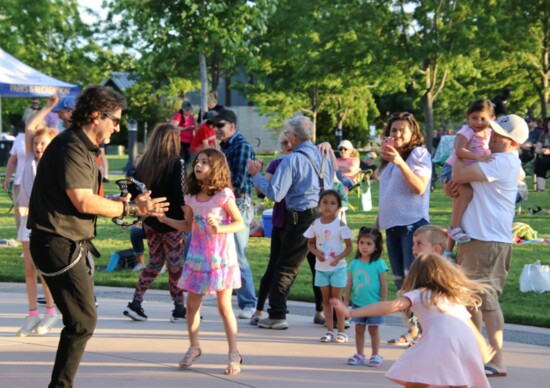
(124, 209)
(133, 210)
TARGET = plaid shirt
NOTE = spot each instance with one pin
(237, 151)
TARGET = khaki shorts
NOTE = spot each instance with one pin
(489, 262)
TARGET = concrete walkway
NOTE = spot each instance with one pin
(124, 353)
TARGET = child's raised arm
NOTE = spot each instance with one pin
(381, 308)
(236, 224)
(36, 121)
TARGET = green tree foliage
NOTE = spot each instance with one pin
(170, 36)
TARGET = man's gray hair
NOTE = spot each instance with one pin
(301, 126)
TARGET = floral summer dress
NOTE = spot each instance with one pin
(211, 264)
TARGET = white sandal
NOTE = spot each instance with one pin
(328, 337)
(234, 364)
(341, 338)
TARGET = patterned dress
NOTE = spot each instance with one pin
(211, 264)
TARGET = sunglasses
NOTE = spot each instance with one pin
(220, 125)
(401, 115)
(342, 149)
(285, 143)
(114, 119)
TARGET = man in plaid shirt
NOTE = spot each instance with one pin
(237, 151)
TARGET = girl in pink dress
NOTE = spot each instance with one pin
(211, 266)
(446, 354)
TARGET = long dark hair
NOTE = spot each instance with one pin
(417, 139)
(160, 154)
(378, 242)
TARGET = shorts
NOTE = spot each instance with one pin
(489, 262)
(367, 321)
(337, 278)
(23, 234)
(446, 173)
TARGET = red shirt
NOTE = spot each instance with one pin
(205, 132)
(184, 121)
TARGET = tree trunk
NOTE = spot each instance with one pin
(427, 104)
(204, 82)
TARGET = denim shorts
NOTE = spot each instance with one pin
(337, 278)
(446, 173)
(368, 321)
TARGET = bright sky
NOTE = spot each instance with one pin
(93, 4)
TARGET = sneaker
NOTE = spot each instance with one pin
(347, 323)
(178, 314)
(135, 311)
(319, 318)
(246, 313)
(46, 323)
(254, 320)
(138, 267)
(30, 324)
(275, 324)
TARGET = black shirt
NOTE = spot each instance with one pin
(69, 162)
(169, 186)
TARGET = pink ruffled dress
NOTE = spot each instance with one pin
(211, 264)
(447, 354)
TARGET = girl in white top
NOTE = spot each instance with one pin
(36, 141)
(326, 239)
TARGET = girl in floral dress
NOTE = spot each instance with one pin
(211, 265)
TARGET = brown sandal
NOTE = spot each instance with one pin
(193, 354)
(234, 365)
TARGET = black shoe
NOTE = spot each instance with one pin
(178, 314)
(105, 180)
(135, 311)
(535, 210)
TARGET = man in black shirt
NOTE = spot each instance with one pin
(63, 209)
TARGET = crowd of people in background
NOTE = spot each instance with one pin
(199, 206)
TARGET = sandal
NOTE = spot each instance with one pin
(375, 361)
(328, 337)
(357, 359)
(193, 354)
(234, 364)
(458, 235)
(403, 340)
(341, 338)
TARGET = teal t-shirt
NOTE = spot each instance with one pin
(365, 278)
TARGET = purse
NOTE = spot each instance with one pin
(535, 277)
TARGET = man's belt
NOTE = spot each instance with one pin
(293, 217)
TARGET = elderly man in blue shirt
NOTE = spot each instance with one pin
(238, 151)
(298, 180)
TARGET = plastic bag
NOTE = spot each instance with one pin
(535, 277)
(366, 198)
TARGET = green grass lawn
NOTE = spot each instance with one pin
(520, 308)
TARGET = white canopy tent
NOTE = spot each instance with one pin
(20, 80)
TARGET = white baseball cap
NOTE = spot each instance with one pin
(512, 127)
(345, 144)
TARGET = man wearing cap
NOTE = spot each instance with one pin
(488, 220)
(64, 110)
(185, 122)
(237, 151)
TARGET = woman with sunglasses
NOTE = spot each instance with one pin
(404, 175)
(348, 163)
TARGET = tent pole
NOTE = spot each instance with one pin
(0, 114)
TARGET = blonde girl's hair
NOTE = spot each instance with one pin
(440, 279)
(160, 154)
(220, 175)
(48, 132)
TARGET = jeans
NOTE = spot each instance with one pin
(246, 295)
(73, 293)
(345, 181)
(291, 257)
(399, 241)
(137, 234)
